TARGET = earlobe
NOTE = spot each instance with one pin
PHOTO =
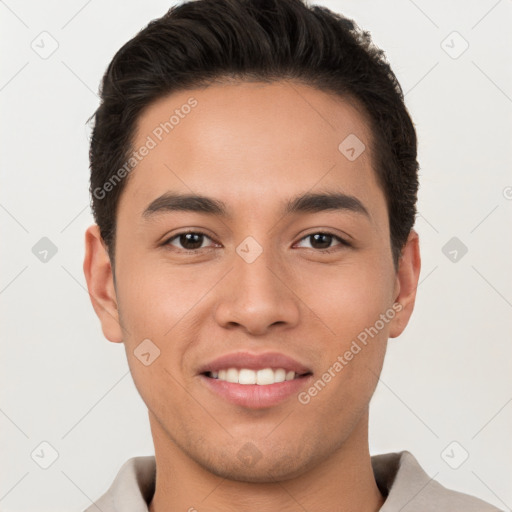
(100, 283)
(406, 284)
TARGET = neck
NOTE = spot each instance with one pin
(345, 481)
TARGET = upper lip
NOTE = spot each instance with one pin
(254, 362)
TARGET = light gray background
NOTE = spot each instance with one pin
(447, 378)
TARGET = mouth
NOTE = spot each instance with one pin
(255, 381)
(261, 377)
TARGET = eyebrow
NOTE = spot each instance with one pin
(305, 203)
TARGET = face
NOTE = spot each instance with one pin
(287, 266)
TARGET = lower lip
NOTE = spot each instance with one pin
(255, 396)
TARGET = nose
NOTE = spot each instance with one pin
(257, 297)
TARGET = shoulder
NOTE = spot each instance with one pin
(409, 488)
(131, 489)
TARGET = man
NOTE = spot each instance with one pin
(254, 183)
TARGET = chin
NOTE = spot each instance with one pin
(261, 473)
(249, 464)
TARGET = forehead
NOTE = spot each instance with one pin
(246, 142)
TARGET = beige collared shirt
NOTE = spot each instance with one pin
(399, 477)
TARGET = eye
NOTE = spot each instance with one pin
(195, 240)
(188, 240)
(322, 241)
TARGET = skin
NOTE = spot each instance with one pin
(254, 146)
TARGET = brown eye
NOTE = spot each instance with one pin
(323, 240)
(188, 241)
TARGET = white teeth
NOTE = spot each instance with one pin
(265, 376)
(279, 375)
(232, 375)
(246, 376)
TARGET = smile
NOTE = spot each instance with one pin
(246, 376)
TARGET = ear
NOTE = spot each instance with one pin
(100, 283)
(406, 284)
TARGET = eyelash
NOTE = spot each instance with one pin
(329, 250)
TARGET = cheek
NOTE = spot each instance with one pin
(154, 308)
(159, 305)
(153, 299)
(349, 303)
(348, 298)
